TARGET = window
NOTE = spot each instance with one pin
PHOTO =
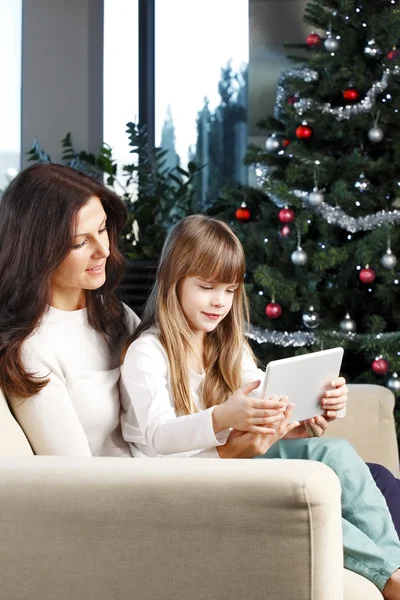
(120, 74)
(201, 59)
(10, 97)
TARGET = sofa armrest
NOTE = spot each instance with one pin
(369, 425)
(101, 528)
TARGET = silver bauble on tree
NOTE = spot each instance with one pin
(273, 143)
(375, 134)
(331, 43)
(311, 318)
(299, 257)
(388, 260)
(348, 325)
(393, 383)
(315, 198)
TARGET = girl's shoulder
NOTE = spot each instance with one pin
(148, 346)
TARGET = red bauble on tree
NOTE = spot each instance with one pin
(292, 100)
(285, 142)
(273, 310)
(285, 231)
(380, 366)
(367, 275)
(350, 94)
(313, 39)
(304, 131)
(243, 214)
(393, 54)
(286, 215)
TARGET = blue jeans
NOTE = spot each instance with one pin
(390, 488)
(370, 542)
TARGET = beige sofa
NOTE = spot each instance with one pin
(172, 529)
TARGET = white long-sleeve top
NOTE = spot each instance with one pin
(78, 412)
(149, 421)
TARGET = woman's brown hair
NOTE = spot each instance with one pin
(203, 247)
(38, 213)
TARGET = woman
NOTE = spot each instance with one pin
(62, 326)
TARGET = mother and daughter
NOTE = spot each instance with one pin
(188, 385)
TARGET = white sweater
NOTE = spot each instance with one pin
(78, 412)
(149, 422)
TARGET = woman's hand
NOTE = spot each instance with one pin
(334, 399)
(245, 413)
(247, 445)
(314, 427)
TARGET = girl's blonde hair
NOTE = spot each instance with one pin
(204, 247)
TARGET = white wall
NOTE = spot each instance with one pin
(62, 74)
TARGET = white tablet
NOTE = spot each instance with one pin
(304, 379)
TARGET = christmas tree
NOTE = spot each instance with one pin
(321, 232)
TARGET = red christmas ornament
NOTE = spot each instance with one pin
(292, 100)
(285, 143)
(273, 310)
(285, 231)
(380, 366)
(304, 132)
(393, 54)
(351, 94)
(367, 275)
(243, 214)
(313, 40)
(286, 215)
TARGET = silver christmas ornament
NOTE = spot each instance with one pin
(311, 318)
(331, 44)
(372, 49)
(299, 257)
(362, 184)
(316, 197)
(388, 260)
(273, 143)
(348, 325)
(375, 134)
(393, 383)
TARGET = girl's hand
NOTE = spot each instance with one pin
(334, 399)
(247, 445)
(244, 413)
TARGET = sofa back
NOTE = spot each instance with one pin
(369, 425)
(12, 439)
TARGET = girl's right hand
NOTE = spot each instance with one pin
(254, 415)
(247, 445)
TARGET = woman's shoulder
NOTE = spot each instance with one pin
(131, 318)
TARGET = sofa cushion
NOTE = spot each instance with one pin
(12, 439)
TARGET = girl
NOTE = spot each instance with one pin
(61, 325)
(188, 377)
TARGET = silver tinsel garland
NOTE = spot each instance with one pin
(333, 215)
(299, 339)
(341, 112)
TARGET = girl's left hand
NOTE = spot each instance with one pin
(332, 401)
(335, 399)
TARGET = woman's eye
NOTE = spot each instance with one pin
(77, 246)
(103, 230)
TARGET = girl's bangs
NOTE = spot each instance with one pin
(222, 262)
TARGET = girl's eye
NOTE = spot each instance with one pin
(203, 287)
(231, 291)
(103, 230)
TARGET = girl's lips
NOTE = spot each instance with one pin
(212, 316)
